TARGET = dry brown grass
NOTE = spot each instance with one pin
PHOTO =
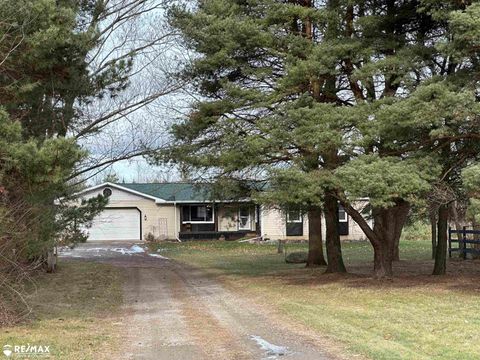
(74, 312)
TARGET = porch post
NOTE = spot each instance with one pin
(258, 224)
(215, 216)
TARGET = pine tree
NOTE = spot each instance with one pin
(243, 72)
(44, 81)
(346, 99)
(45, 77)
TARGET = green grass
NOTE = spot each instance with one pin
(247, 259)
(72, 312)
(413, 316)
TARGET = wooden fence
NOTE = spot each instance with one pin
(466, 241)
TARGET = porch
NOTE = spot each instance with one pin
(218, 221)
(215, 235)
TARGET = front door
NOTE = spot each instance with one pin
(244, 219)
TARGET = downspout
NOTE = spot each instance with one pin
(175, 229)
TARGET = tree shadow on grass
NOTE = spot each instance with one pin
(462, 276)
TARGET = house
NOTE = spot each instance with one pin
(184, 211)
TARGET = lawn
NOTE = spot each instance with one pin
(72, 312)
(413, 316)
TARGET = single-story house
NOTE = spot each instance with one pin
(182, 211)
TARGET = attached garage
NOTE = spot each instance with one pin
(117, 224)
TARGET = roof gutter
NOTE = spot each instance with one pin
(202, 201)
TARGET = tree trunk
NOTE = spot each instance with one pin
(51, 263)
(334, 248)
(380, 266)
(402, 211)
(440, 267)
(433, 224)
(315, 245)
(382, 261)
(389, 223)
(383, 227)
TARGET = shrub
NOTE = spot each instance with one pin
(419, 230)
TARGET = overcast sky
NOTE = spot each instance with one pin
(148, 126)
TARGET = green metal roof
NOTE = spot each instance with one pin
(173, 191)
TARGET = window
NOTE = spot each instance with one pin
(294, 223)
(244, 221)
(294, 216)
(342, 221)
(342, 214)
(107, 192)
(197, 214)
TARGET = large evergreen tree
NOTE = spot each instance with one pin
(62, 64)
(46, 77)
(253, 123)
(346, 99)
(43, 77)
(49, 74)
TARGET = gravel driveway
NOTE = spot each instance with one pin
(177, 312)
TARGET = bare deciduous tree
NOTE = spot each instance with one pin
(128, 123)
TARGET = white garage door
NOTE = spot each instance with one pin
(116, 224)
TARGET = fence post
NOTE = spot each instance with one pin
(449, 242)
(464, 239)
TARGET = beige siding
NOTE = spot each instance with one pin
(273, 225)
(162, 220)
(158, 220)
(354, 231)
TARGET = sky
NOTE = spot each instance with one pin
(148, 126)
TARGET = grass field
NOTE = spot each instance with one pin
(413, 316)
(72, 312)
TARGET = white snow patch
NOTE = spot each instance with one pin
(94, 249)
(69, 254)
(271, 349)
(158, 256)
(64, 248)
(135, 249)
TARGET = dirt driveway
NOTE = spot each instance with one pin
(177, 312)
